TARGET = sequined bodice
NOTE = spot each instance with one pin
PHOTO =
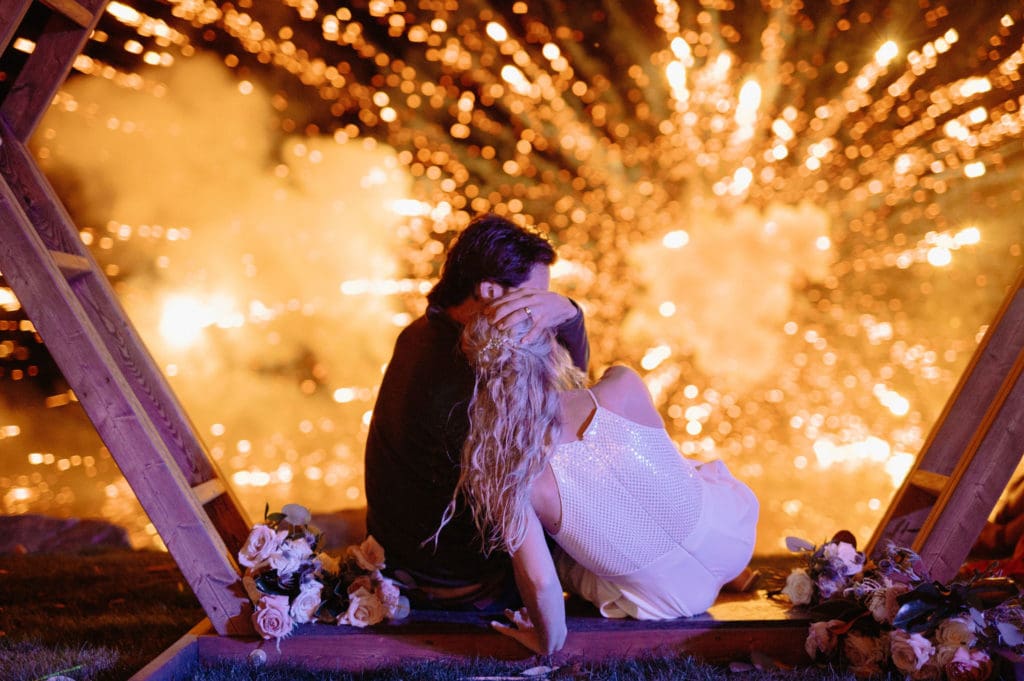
(628, 495)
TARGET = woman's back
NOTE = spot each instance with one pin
(627, 496)
(646, 532)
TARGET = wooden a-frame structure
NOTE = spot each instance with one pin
(940, 509)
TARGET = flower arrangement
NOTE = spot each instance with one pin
(888, 615)
(291, 583)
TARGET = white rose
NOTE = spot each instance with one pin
(845, 555)
(883, 603)
(396, 606)
(799, 587)
(306, 604)
(956, 631)
(909, 652)
(271, 618)
(821, 638)
(364, 609)
(261, 543)
(285, 562)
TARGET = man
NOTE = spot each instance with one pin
(420, 420)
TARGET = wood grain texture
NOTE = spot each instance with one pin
(72, 10)
(56, 229)
(46, 68)
(730, 631)
(927, 514)
(10, 19)
(120, 419)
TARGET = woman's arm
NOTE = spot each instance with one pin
(542, 627)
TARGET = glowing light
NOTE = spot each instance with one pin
(182, 321)
(676, 239)
(975, 169)
(497, 32)
(655, 356)
(886, 53)
(514, 77)
(939, 256)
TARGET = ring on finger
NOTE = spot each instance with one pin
(528, 311)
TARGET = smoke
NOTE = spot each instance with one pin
(724, 287)
(229, 243)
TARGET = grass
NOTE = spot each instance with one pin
(103, 616)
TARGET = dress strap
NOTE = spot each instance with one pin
(593, 397)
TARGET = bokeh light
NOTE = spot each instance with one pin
(795, 218)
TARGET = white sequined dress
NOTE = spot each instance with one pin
(647, 533)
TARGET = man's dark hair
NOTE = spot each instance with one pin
(491, 248)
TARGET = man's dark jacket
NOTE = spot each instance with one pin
(414, 448)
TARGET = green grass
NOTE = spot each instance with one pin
(110, 612)
(103, 616)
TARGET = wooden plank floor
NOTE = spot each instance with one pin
(734, 627)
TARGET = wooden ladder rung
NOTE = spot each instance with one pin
(934, 483)
(205, 492)
(71, 265)
(72, 10)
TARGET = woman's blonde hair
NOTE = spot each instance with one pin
(514, 422)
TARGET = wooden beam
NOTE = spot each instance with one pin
(10, 20)
(934, 483)
(46, 68)
(72, 10)
(122, 422)
(946, 538)
(730, 631)
(205, 492)
(954, 443)
(73, 266)
(58, 232)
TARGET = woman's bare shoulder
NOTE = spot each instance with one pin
(622, 390)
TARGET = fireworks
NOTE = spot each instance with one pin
(795, 218)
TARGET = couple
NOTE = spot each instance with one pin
(486, 441)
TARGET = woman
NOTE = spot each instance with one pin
(643, 532)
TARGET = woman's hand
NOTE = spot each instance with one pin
(543, 309)
(522, 629)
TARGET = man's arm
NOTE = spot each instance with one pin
(547, 310)
(573, 336)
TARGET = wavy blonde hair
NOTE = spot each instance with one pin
(514, 422)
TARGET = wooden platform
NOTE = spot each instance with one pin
(734, 627)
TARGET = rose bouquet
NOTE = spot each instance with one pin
(291, 583)
(888, 615)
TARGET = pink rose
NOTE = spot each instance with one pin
(260, 545)
(799, 587)
(909, 652)
(271, 618)
(361, 582)
(306, 604)
(883, 604)
(821, 638)
(328, 564)
(969, 665)
(364, 609)
(369, 555)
